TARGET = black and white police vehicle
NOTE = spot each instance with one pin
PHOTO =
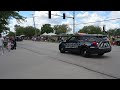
(86, 44)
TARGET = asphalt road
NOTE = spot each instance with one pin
(43, 60)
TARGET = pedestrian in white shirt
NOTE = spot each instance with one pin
(9, 45)
(1, 44)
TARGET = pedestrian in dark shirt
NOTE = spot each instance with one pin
(14, 44)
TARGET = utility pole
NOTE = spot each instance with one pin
(34, 24)
(73, 22)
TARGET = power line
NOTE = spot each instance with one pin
(87, 22)
(99, 21)
(59, 15)
(81, 23)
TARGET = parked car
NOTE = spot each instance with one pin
(117, 42)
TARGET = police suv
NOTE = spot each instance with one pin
(86, 44)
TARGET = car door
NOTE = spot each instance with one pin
(71, 44)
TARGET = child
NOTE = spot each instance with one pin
(9, 45)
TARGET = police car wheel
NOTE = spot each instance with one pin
(62, 50)
(101, 54)
(84, 52)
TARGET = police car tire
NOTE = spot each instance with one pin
(84, 52)
(62, 49)
(101, 54)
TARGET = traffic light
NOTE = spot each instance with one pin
(63, 15)
(104, 28)
(49, 14)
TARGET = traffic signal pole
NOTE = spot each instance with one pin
(73, 22)
(34, 25)
(64, 16)
(49, 14)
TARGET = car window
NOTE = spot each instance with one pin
(102, 37)
(79, 38)
(72, 38)
(88, 38)
(92, 39)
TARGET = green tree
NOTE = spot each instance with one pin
(5, 17)
(19, 30)
(27, 31)
(30, 31)
(91, 30)
(111, 32)
(114, 32)
(59, 29)
(117, 32)
(11, 33)
(46, 28)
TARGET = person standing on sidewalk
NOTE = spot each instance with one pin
(1, 44)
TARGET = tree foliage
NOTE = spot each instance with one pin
(11, 34)
(46, 28)
(28, 31)
(19, 30)
(59, 29)
(5, 17)
(91, 30)
(114, 32)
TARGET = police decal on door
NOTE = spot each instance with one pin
(71, 45)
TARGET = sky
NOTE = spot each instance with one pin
(41, 17)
